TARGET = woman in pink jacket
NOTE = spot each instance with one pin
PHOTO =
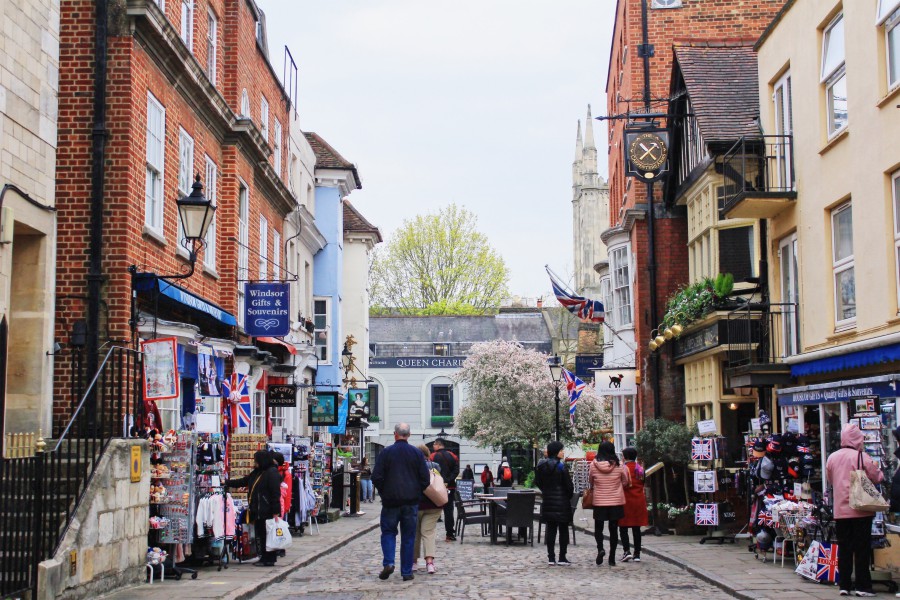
(853, 527)
(608, 482)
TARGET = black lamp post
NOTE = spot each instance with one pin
(556, 373)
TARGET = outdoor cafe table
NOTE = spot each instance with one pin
(493, 503)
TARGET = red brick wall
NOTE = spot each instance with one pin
(718, 20)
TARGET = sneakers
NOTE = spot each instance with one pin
(551, 562)
(386, 572)
(627, 557)
(637, 558)
(845, 593)
(430, 568)
(415, 566)
(600, 555)
(563, 562)
(408, 577)
(864, 593)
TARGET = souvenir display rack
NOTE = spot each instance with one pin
(172, 494)
(210, 480)
(320, 470)
(241, 448)
(581, 475)
(709, 453)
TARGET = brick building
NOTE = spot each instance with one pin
(190, 90)
(669, 21)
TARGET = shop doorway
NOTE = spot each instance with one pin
(735, 421)
(520, 461)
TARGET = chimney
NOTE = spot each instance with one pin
(540, 303)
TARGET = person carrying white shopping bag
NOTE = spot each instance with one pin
(277, 535)
(852, 473)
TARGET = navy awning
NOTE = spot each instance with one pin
(849, 360)
(144, 282)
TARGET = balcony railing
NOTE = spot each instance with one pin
(760, 336)
(758, 177)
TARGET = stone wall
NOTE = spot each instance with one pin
(108, 532)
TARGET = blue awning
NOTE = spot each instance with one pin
(850, 360)
(147, 281)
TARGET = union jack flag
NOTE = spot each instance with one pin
(764, 518)
(803, 449)
(237, 392)
(584, 308)
(706, 514)
(828, 562)
(701, 449)
(574, 387)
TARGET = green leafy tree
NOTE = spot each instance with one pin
(438, 264)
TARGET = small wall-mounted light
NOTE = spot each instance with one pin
(733, 406)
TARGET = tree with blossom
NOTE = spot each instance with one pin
(511, 399)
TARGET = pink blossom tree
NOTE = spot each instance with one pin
(511, 399)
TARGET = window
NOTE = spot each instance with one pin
(886, 9)
(245, 104)
(276, 148)
(621, 286)
(895, 194)
(834, 75)
(790, 294)
(212, 184)
(784, 126)
(212, 33)
(277, 414)
(320, 319)
(373, 402)
(666, 3)
(243, 243)
(276, 256)
(185, 172)
(892, 41)
(606, 299)
(156, 133)
(187, 23)
(442, 400)
(263, 248)
(843, 265)
(623, 421)
(736, 252)
(264, 118)
(442, 349)
(259, 412)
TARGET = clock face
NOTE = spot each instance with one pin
(648, 152)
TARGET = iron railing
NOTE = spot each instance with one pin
(34, 517)
(762, 334)
(759, 166)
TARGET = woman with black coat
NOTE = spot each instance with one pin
(264, 500)
(555, 483)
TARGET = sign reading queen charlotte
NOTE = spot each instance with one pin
(266, 309)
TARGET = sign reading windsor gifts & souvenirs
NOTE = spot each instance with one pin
(266, 311)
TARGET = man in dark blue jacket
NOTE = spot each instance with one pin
(400, 476)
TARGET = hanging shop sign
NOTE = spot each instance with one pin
(647, 151)
(161, 380)
(615, 382)
(586, 364)
(266, 311)
(323, 409)
(359, 403)
(283, 395)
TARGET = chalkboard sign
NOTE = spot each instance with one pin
(466, 489)
(282, 395)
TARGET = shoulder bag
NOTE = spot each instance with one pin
(864, 495)
(437, 489)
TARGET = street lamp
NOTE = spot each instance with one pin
(346, 360)
(197, 214)
(556, 373)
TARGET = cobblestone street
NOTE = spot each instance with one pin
(475, 569)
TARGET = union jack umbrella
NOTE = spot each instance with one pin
(236, 391)
(828, 563)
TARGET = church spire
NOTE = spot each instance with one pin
(589, 155)
(576, 164)
(589, 131)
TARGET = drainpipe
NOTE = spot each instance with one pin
(99, 135)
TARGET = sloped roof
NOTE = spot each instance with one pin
(721, 80)
(354, 221)
(523, 327)
(329, 158)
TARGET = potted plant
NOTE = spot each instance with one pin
(374, 419)
(682, 520)
(309, 325)
(442, 421)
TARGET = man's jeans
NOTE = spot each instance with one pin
(406, 517)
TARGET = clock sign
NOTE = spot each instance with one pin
(648, 152)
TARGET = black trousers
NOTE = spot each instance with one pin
(613, 535)
(260, 526)
(552, 527)
(449, 523)
(854, 551)
(636, 533)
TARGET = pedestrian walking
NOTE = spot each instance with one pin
(504, 473)
(400, 475)
(635, 507)
(428, 516)
(449, 463)
(468, 473)
(555, 483)
(853, 527)
(264, 500)
(365, 478)
(487, 479)
(608, 480)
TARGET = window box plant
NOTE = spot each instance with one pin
(442, 421)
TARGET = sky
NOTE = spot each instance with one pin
(474, 102)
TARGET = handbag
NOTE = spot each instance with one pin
(863, 493)
(587, 498)
(437, 490)
(277, 535)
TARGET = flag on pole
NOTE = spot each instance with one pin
(237, 393)
(574, 387)
(584, 308)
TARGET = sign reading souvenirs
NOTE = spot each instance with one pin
(647, 151)
(417, 362)
(266, 309)
(282, 395)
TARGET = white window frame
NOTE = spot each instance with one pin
(243, 242)
(212, 44)
(784, 126)
(895, 200)
(187, 23)
(666, 4)
(259, 411)
(832, 74)
(621, 431)
(840, 266)
(212, 187)
(886, 8)
(789, 252)
(155, 163)
(185, 177)
(263, 248)
(264, 117)
(892, 31)
(276, 147)
(619, 268)
(276, 256)
(324, 356)
(245, 104)
(606, 299)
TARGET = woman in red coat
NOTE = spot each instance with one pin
(635, 507)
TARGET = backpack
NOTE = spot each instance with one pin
(506, 473)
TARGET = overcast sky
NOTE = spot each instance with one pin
(471, 101)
